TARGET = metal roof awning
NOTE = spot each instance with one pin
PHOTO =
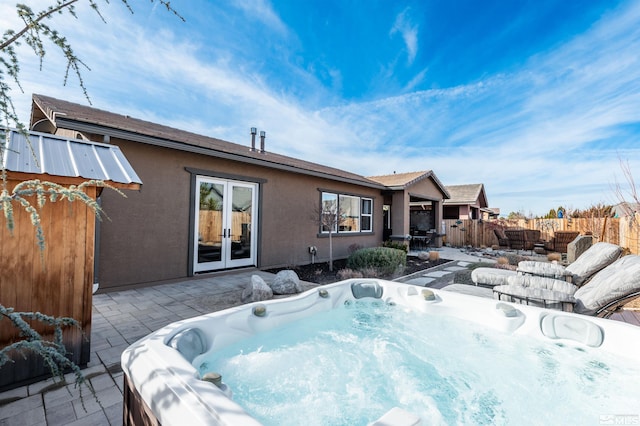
(58, 156)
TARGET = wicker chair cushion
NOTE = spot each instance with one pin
(543, 269)
(593, 260)
(614, 282)
(535, 282)
(490, 277)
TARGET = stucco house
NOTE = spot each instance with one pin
(209, 205)
(413, 204)
(467, 202)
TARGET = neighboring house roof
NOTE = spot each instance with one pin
(68, 115)
(401, 181)
(472, 194)
(625, 209)
(59, 156)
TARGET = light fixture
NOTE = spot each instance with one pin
(253, 131)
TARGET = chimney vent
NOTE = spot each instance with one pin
(253, 138)
(263, 134)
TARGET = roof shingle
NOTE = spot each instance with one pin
(78, 117)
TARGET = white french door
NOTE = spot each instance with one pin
(225, 224)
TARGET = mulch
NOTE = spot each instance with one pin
(319, 273)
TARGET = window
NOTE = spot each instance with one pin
(329, 207)
(346, 213)
(349, 208)
(366, 215)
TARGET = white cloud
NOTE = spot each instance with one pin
(262, 11)
(550, 133)
(409, 33)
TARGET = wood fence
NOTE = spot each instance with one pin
(477, 233)
(211, 225)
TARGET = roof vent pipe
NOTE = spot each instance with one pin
(262, 136)
(253, 138)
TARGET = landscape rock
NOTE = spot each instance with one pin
(423, 255)
(578, 246)
(286, 282)
(256, 291)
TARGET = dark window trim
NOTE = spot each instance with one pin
(223, 175)
(194, 173)
(348, 233)
(353, 194)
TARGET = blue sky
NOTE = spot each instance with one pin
(538, 100)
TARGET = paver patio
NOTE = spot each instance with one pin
(121, 318)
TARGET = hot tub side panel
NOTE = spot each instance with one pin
(135, 411)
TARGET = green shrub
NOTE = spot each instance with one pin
(384, 260)
(396, 245)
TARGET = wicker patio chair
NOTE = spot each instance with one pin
(516, 238)
(503, 241)
(531, 238)
(561, 240)
(595, 258)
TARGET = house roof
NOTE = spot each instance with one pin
(401, 181)
(625, 208)
(59, 156)
(467, 195)
(48, 111)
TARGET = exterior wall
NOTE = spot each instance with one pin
(465, 212)
(147, 237)
(399, 213)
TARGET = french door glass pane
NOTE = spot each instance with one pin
(242, 210)
(210, 222)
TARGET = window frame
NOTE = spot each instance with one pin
(366, 215)
(357, 220)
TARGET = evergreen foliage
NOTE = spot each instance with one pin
(396, 245)
(53, 352)
(384, 259)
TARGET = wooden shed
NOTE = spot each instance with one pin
(58, 280)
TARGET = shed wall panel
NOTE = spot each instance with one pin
(56, 281)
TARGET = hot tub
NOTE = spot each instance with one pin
(164, 371)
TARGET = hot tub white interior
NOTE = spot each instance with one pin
(165, 367)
